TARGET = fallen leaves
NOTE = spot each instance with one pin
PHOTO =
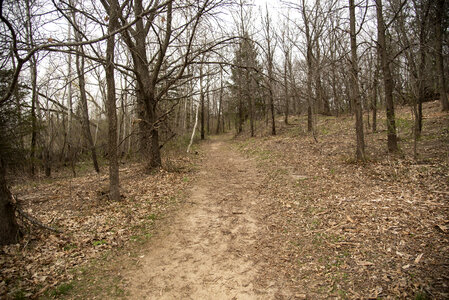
(91, 224)
(377, 230)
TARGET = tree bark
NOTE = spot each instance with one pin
(360, 152)
(147, 78)
(9, 230)
(439, 55)
(388, 79)
(374, 100)
(111, 107)
(309, 57)
(286, 92)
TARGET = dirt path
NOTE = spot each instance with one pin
(207, 251)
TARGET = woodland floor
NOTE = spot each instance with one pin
(280, 217)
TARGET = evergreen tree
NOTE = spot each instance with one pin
(246, 79)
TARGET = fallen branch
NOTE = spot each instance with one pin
(32, 219)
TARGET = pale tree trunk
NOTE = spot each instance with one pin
(356, 99)
(194, 129)
(388, 79)
(111, 106)
(439, 54)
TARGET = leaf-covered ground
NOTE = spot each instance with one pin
(44, 263)
(342, 229)
(327, 226)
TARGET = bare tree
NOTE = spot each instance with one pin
(80, 69)
(34, 91)
(114, 190)
(387, 78)
(287, 51)
(269, 58)
(356, 97)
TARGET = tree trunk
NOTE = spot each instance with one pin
(374, 106)
(309, 57)
(147, 81)
(240, 114)
(220, 103)
(9, 230)
(34, 99)
(439, 55)
(208, 108)
(286, 94)
(111, 109)
(388, 80)
(202, 102)
(155, 150)
(70, 154)
(85, 111)
(424, 11)
(360, 153)
(251, 104)
(421, 75)
(374, 100)
(309, 92)
(273, 123)
(34, 92)
(270, 90)
(83, 98)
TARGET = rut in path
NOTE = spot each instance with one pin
(207, 251)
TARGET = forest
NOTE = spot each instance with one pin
(224, 149)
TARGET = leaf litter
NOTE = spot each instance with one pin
(91, 224)
(343, 229)
(332, 228)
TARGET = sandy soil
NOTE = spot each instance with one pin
(207, 250)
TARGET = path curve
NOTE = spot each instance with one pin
(208, 250)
